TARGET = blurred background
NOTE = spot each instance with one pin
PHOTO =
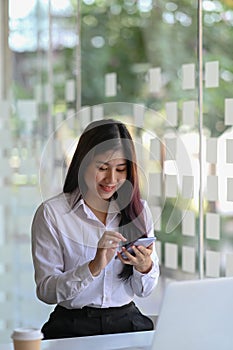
(64, 63)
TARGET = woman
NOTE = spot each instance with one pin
(77, 238)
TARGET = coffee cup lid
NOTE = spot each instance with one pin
(26, 334)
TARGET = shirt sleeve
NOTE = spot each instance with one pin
(143, 284)
(54, 284)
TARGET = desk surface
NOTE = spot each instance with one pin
(121, 341)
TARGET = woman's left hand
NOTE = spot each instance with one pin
(141, 261)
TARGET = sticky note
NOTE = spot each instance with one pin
(58, 150)
(211, 150)
(188, 223)
(155, 80)
(23, 224)
(58, 120)
(70, 90)
(230, 189)
(212, 188)
(228, 111)
(5, 109)
(139, 151)
(6, 195)
(5, 169)
(229, 150)
(70, 118)
(188, 113)
(155, 183)
(28, 166)
(170, 147)
(138, 113)
(212, 74)
(171, 255)
(110, 84)
(155, 149)
(170, 186)
(229, 265)
(28, 195)
(157, 216)
(187, 186)
(188, 76)
(6, 140)
(212, 226)
(27, 110)
(84, 117)
(212, 264)
(97, 112)
(171, 113)
(188, 259)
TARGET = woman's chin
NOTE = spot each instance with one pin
(106, 196)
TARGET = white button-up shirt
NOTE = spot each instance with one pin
(64, 241)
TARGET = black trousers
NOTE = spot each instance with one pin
(66, 323)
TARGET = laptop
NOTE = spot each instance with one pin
(196, 315)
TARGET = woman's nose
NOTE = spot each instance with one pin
(111, 176)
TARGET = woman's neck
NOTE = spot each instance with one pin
(99, 208)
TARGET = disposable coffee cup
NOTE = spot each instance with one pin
(27, 339)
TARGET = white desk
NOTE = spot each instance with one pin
(120, 341)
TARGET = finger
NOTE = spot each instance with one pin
(115, 236)
(114, 241)
(143, 250)
(150, 246)
(131, 258)
(120, 257)
(110, 239)
(125, 260)
(110, 243)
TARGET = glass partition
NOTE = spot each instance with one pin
(137, 61)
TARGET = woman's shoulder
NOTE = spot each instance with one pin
(144, 203)
(146, 209)
(58, 203)
(148, 217)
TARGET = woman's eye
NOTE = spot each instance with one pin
(102, 168)
(121, 170)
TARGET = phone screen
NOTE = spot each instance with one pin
(145, 241)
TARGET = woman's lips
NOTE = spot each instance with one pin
(107, 188)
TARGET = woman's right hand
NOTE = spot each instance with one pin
(106, 250)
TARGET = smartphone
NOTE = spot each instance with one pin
(146, 242)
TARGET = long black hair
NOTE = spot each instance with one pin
(100, 137)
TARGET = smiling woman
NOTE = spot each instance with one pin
(104, 176)
(77, 235)
(57, 56)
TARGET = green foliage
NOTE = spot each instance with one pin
(126, 37)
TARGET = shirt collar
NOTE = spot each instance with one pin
(113, 209)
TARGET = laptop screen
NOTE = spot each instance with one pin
(196, 315)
